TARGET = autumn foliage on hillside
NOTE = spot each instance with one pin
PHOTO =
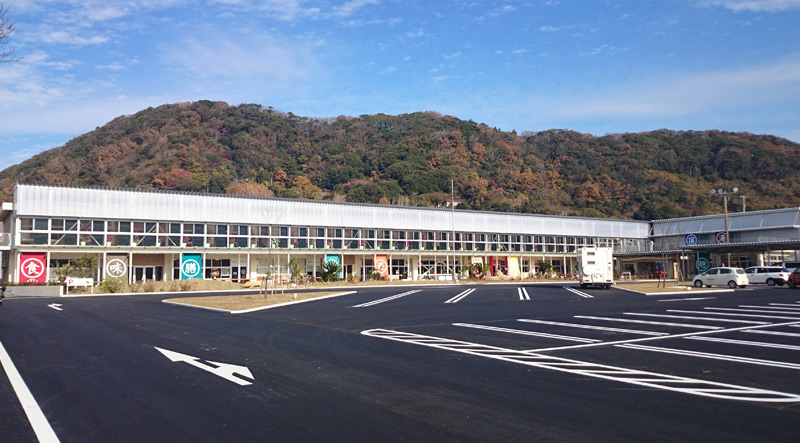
(411, 159)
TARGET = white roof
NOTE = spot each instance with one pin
(137, 204)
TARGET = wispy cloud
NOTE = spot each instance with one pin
(695, 94)
(64, 37)
(754, 5)
(351, 7)
(257, 58)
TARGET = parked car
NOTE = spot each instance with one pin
(794, 279)
(730, 277)
(790, 265)
(771, 275)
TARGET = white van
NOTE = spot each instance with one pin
(595, 266)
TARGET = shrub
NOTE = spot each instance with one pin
(113, 284)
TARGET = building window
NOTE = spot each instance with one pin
(28, 238)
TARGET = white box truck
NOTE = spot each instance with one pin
(595, 266)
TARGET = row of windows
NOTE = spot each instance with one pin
(73, 232)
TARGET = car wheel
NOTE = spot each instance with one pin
(698, 284)
(732, 284)
(792, 284)
(770, 282)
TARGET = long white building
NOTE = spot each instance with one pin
(141, 235)
(163, 235)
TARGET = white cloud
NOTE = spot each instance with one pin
(548, 29)
(755, 5)
(64, 37)
(695, 94)
(349, 8)
(113, 66)
(260, 59)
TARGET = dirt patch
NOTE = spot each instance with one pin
(248, 301)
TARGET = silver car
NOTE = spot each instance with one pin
(730, 277)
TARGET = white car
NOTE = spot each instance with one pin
(771, 275)
(730, 277)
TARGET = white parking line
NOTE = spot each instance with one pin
(785, 304)
(658, 323)
(523, 294)
(44, 432)
(531, 333)
(746, 343)
(624, 375)
(601, 328)
(688, 317)
(786, 334)
(690, 299)
(460, 296)
(575, 291)
(791, 310)
(393, 297)
(760, 311)
(752, 361)
(733, 315)
(662, 336)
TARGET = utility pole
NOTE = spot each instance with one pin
(726, 195)
(453, 222)
(744, 205)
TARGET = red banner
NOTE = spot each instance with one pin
(33, 267)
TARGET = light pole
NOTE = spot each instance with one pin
(726, 195)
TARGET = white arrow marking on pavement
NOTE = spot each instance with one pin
(224, 370)
(55, 306)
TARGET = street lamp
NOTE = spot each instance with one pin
(726, 195)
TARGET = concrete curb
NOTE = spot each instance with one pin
(685, 292)
(260, 308)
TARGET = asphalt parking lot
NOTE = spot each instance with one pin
(428, 363)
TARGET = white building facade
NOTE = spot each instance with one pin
(141, 235)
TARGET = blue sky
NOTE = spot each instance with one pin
(592, 66)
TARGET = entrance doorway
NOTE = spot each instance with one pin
(147, 273)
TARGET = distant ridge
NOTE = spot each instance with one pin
(410, 159)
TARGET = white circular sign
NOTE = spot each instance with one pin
(32, 268)
(721, 237)
(116, 268)
(702, 265)
(691, 239)
(191, 268)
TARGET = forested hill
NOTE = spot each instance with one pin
(410, 159)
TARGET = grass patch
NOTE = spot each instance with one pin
(248, 301)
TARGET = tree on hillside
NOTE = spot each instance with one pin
(6, 28)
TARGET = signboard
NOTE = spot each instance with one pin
(33, 267)
(117, 265)
(690, 240)
(513, 267)
(702, 262)
(333, 258)
(721, 238)
(191, 266)
(74, 281)
(382, 265)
